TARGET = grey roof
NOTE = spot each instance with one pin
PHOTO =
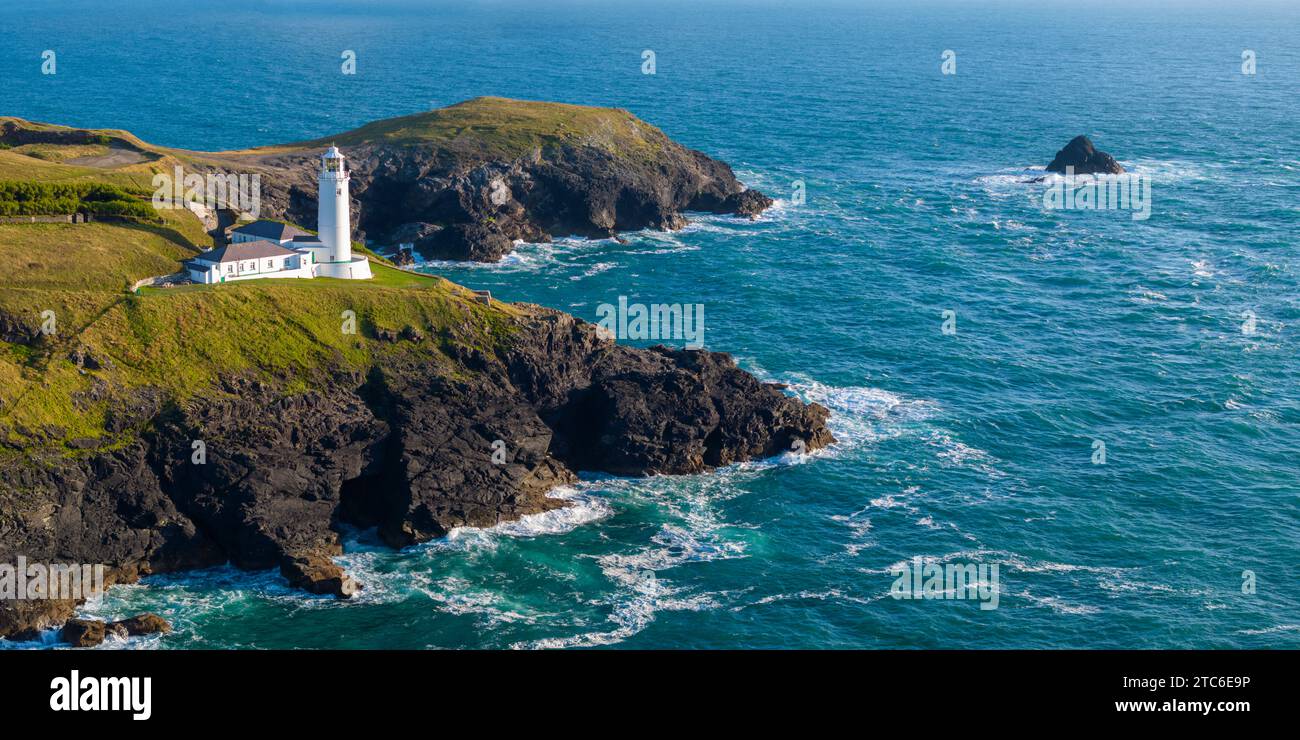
(274, 230)
(307, 239)
(245, 251)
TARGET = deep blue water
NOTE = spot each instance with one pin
(975, 447)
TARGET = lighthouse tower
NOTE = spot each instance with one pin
(333, 214)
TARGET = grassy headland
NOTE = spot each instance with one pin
(181, 341)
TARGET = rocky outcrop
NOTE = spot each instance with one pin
(315, 572)
(141, 624)
(467, 181)
(457, 203)
(25, 619)
(1084, 158)
(264, 478)
(16, 331)
(83, 632)
(91, 632)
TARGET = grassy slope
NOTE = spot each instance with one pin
(14, 165)
(481, 128)
(502, 128)
(183, 340)
(78, 269)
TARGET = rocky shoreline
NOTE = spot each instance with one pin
(457, 200)
(476, 211)
(401, 448)
(449, 412)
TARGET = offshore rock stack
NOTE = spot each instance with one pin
(1084, 158)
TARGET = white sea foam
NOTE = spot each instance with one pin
(594, 270)
(386, 580)
(695, 532)
(1170, 170)
(955, 453)
(861, 415)
(833, 594)
(583, 508)
(1014, 562)
(1271, 630)
(1057, 604)
(859, 526)
(526, 256)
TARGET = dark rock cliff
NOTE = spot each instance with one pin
(462, 199)
(409, 451)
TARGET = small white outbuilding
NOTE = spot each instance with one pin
(248, 261)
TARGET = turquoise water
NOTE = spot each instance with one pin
(969, 447)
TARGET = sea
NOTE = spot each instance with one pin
(1107, 408)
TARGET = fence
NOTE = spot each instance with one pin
(68, 218)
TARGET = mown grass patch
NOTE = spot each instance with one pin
(60, 152)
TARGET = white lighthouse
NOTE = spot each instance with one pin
(333, 207)
(274, 249)
(332, 252)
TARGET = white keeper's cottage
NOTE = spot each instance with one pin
(270, 249)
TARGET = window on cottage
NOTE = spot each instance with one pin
(270, 264)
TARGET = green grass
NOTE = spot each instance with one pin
(76, 270)
(182, 341)
(93, 256)
(60, 152)
(501, 127)
(16, 166)
(80, 272)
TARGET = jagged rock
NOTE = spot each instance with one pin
(749, 203)
(82, 358)
(403, 258)
(441, 471)
(316, 573)
(83, 632)
(1084, 158)
(412, 334)
(274, 469)
(457, 203)
(141, 624)
(410, 450)
(24, 619)
(16, 331)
